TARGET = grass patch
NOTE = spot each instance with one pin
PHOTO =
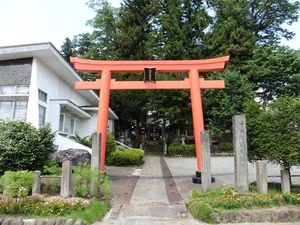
(95, 212)
(202, 205)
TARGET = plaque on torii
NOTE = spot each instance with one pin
(193, 83)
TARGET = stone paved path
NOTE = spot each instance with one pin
(153, 195)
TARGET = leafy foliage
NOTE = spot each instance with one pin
(52, 168)
(273, 131)
(126, 157)
(17, 183)
(182, 150)
(177, 29)
(110, 145)
(24, 147)
(221, 105)
(86, 141)
(84, 177)
(275, 71)
(225, 146)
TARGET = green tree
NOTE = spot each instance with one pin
(181, 25)
(104, 33)
(240, 25)
(273, 131)
(67, 49)
(24, 147)
(221, 105)
(136, 29)
(275, 71)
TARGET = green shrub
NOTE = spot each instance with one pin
(86, 141)
(110, 145)
(24, 147)
(121, 148)
(201, 211)
(225, 147)
(126, 157)
(182, 150)
(52, 168)
(50, 185)
(17, 183)
(83, 176)
(51, 181)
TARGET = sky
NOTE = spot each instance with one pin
(36, 21)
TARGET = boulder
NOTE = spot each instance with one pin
(74, 155)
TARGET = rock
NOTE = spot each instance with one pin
(226, 217)
(266, 216)
(17, 221)
(69, 222)
(41, 222)
(293, 215)
(7, 221)
(51, 221)
(60, 221)
(255, 216)
(245, 217)
(79, 222)
(216, 217)
(29, 222)
(283, 216)
(236, 217)
(74, 155)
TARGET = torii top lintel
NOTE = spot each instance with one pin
(204, 65)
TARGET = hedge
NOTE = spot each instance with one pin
(126, 157)
(182, 150)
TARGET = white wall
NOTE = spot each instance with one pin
(65, 143)
(45, 79)
(88, 126)
(32, 108)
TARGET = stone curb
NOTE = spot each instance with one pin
(269, 215)
(52, 221)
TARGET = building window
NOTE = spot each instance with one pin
(14, 90)
(42, 115)
(22, 90)
(13, 110)
(6, 109)
(67, 125)
(6, 90)
(42, 96)
(74, 126)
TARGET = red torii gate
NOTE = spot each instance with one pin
(194, 83)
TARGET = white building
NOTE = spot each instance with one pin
(38, 85)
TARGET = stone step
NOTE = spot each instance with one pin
(154, 210)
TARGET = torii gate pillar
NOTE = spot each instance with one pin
(193, 83)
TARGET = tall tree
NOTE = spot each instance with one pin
(105, 28)
(221, 105)
(135, 29)
(133, 41)
(241, 24)
(181, 25)
(67, 49)
(275, 71)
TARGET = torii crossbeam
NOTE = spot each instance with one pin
(194, 83)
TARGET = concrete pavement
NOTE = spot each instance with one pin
(140, 194)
